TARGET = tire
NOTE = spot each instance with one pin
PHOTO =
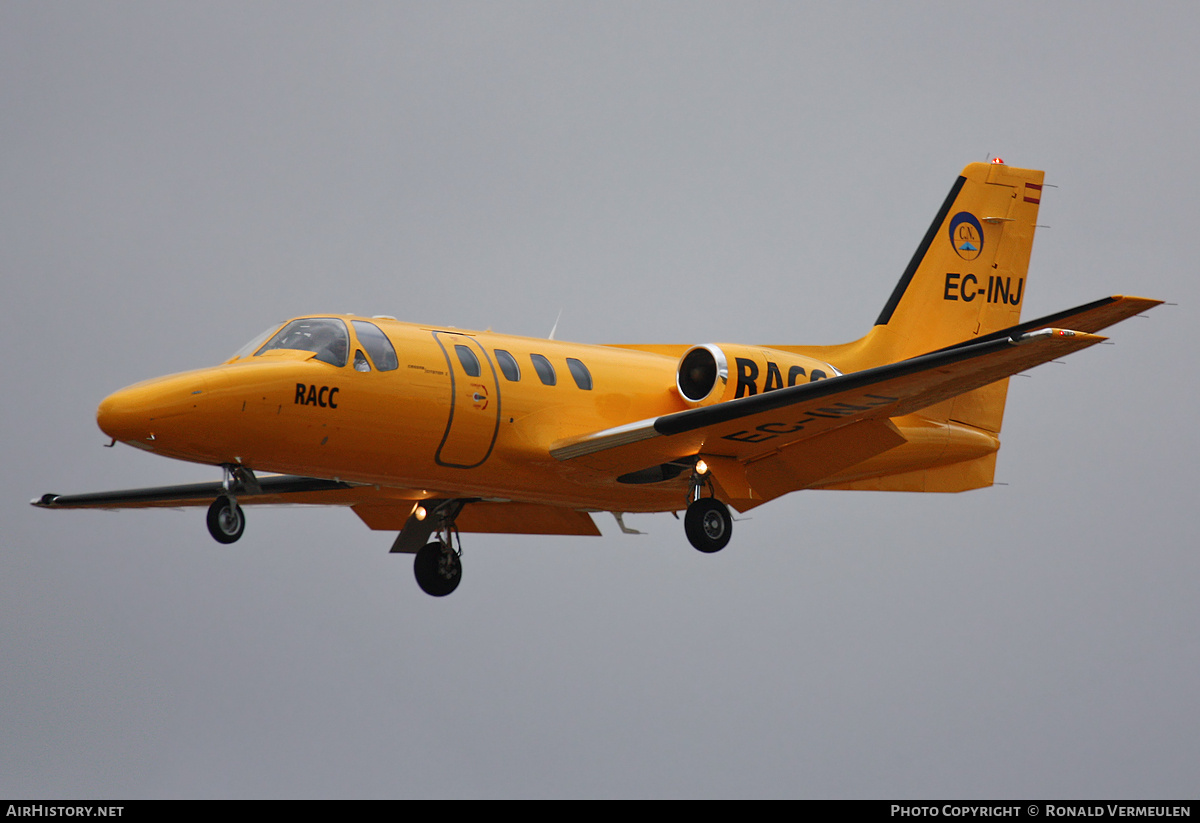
(438, 569)
(708, 524)
(226, 521)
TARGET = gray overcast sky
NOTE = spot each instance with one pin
(175, 177)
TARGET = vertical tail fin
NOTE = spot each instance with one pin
(968, 277)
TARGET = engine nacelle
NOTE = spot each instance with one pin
(713, 373)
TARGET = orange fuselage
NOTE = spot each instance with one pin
(428, 427)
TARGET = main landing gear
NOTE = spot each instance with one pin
(707, 523)
(438, 568)
(437, 565)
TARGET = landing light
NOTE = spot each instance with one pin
(420, 512)
(701, 467)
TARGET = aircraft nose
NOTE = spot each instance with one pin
(141, 414)
(120, 417)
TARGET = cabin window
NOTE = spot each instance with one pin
(544, 370)
(360, 361)
(470, 362)
(508, 365)
(326, 336)
(376, 344)
(583, 378)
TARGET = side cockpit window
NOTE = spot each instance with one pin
(376, 344)
(325, 336)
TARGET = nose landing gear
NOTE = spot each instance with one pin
(226, 521)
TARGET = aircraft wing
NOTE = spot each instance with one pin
(760, 424)
(283, 488)
(380, 508)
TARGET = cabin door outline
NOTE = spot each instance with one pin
(473, 422)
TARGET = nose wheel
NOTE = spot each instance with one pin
(226, 522)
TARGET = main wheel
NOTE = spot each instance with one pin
(438, 569)
(708, 524)
(225, 520)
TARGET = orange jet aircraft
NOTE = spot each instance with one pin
(431, 431)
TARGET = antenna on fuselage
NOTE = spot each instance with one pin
(553, 330)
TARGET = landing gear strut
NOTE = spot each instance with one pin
(707, 523)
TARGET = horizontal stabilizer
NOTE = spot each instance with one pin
(1090, 317)
(753, 426)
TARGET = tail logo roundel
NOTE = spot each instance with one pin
(966, 235)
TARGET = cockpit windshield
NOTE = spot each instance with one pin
(326, 336)
(251, 347)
